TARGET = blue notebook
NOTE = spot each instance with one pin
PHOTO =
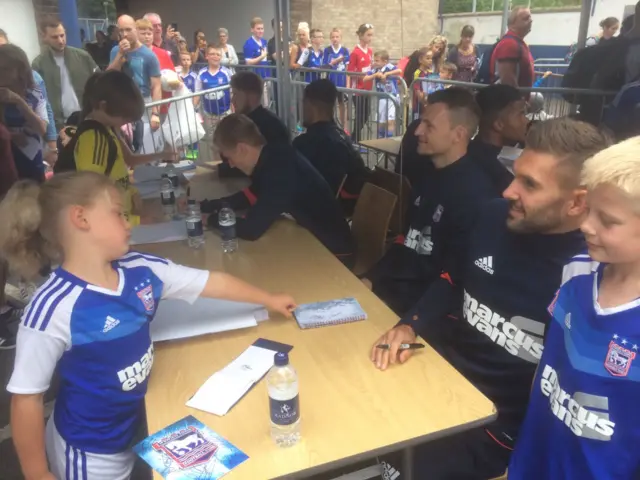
(188, 450)
(333, 312)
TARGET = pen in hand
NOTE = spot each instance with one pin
(403, 346)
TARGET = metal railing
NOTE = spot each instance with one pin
(543, 102)
(364, 114)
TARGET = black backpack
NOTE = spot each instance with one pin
(484, 72)
(66, 157)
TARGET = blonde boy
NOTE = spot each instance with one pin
(582, 421)
(385, 74)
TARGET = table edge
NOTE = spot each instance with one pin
(360, 457)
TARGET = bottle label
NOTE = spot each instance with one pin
(167, 198)
(284, 412)
(228, 232)
(194, 228)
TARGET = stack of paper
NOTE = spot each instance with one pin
(176, 319)
(224, 388)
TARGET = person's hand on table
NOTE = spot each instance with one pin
(394, 337)
(169, 156)
(284, 304)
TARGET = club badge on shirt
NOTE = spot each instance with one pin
(619, 358)
(145, 294)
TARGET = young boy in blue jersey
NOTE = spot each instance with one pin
(336, 57)
(90, 322)
(582, 422)
(187, 76)
(215, 105)
(316, 54)
(386, 76)
(255, 48)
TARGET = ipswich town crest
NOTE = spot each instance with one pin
(619, 358)
(187, 447)
(145, 294)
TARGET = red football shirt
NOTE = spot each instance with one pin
(360, 61)
(510, 49)
(166, 63)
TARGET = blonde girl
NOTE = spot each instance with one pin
(90, 322)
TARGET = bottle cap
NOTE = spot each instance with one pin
(281, 359)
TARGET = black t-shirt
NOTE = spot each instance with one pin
(442, 215)
(283, 181)
(271, 127)
(331, 152)
(497, 315)
(486, 155)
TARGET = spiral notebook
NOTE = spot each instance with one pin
(333, 312)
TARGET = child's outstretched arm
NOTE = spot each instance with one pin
(395, 73)
(227, 287)
(27, 427)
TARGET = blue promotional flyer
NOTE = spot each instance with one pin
(188, 450)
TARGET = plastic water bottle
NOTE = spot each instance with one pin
(284, 403)
(168, 198)
(227, 222)
(195, 230)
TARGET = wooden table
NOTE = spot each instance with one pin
(389, 147)
(350, 410)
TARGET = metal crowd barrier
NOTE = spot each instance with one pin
(543, 102)
(363, 114)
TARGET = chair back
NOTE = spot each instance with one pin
(398, 185)
(370, 225)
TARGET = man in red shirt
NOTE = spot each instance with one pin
(511, 60)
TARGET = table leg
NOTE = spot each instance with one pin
(407, 463)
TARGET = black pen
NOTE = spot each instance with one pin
(403, 346)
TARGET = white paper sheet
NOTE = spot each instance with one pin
(179, 319)
(224, 388)
(173, 231)
(181, 165)
(147, 173)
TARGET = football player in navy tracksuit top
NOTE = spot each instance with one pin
(282, 182)
(328, 148)
(491, 325)
(582, 422)
(90, 321)
(445, 205)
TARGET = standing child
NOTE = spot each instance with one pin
(111, 100)
(337, 58)
(215, 105)
(582, 421)
(360, 62)
(385, 76)
(90, 322)
(24, 110)
(187, 76)
(316, 54)
(420, 85)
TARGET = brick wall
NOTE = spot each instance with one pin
(301, 11)
(45, 7)
(400, 27)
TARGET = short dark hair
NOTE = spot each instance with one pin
(119, 92)
(493, 99)
(248, 82)
(571, 141)
(462, 106)
(235, 129)
(49, 21)
(322, 93)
